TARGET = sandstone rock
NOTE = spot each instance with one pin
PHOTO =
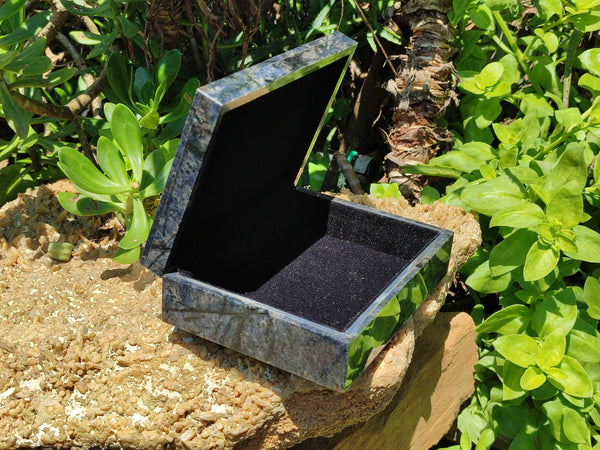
(438, 381)
(85, 360)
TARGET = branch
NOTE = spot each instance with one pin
(59, 17)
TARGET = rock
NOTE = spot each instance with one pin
(85, 360)
(438, 381)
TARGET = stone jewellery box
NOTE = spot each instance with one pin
(303, 281)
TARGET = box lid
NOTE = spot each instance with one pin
(247, 138)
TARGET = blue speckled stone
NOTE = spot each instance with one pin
(320, 302)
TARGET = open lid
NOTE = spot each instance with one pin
(246, 140)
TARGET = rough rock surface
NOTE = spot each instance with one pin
(439, 379)
(85, 360)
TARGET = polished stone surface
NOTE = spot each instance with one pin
(310, 284)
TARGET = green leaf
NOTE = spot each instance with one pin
(103, 10)
(127, 256)
(536, 105)
(591, 292)
(511, 378)
(27, 30)
(166, 72)
(554, 412)
(583, 342)
(127, 133)
(550, 8)
(118, 76)
(138, 228)
(384, 190)
(9, 8)
(566, 206)
(557, 313)
(150, 121)
(111, 161)
(532, 378)
(540, 261)
(16, 117)
(36, 65)
(486, 111)
(492, 196)
(512, 319)
(482, 281)
(84, 174)
(85, 37)
(511, 252)
(590, 60)
(569, 118)
(576, 381)
(589, 82)
(522, 215)
(85, 206)
(587, 22)
(143, 84)
(575, 427)
(517, 348)
(588, 245)
(552, 350)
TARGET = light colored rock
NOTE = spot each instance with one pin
(85, 360)
(438, 381)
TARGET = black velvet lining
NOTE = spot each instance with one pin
(246, 219)
(250, 231)
(331, 283)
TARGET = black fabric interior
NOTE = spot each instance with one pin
(249, 230)
(332, 282)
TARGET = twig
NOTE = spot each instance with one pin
(342, 161)
(387, 58)
(59, 17)
(87, 78)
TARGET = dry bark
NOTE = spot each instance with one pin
(422, 91)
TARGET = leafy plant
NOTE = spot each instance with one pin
(128, 176)
(527, 137)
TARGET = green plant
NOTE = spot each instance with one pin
(527, 136)
(129, 176)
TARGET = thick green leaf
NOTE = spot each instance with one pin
(482, 281)
(138, 228)
(550, 8)
(519, 349)
(143, 84)
(511, 377)
(166, 72)
(557, 313)
(575, 427)
(511, 252)
(36, 65)
(554, 412)
(552, 350)
(486, 111)
(27, 30)
(501, 193)
(85, 37)
(566, 206)
(512, 319)
(16, 117)
(587, 22)
(532, 378)
(536, 105)
(84, 174)
(590, 82)
(10, 7)
(522, 215)
(85, 206)
(590, 60)
(111, 161)
(7, 57)
(540, 261)
(591, 293)
(588, 245)
(104, 10)
(127, 133)
(570, 167)
(583, 342)
(118, 76)
(127, 256)
(575, 382)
